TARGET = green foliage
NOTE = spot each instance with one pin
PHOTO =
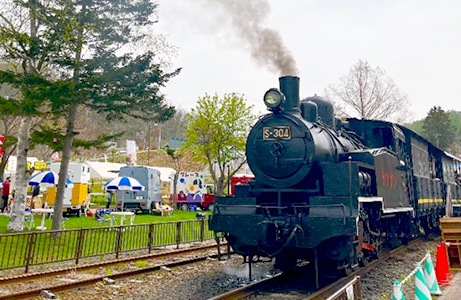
(87, 222)
(416, 126)
(437, 128)
(53, 137)
(8, 107)
(175, 154)
(77, 53)
(141, 264)
(217, 132)
(98, 241)
(76, 58)
(455, 119)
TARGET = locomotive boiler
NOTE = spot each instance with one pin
(329, 192)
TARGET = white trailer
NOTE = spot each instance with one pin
(148, 199)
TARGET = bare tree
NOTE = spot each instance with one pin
(368, 93)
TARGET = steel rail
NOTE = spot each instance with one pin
(37, 275)
(330, 289)
(250, 289)
(72, 285)
(321, 294)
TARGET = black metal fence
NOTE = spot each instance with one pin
(23, 250)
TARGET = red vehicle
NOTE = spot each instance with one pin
(239, 179)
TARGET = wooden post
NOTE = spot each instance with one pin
(202, 229)
(30, 251)
(118, 244)
(151, 237)
(80, 240)
(178, 234)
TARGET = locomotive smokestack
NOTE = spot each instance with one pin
(289, 86)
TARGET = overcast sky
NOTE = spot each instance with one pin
(416, 42)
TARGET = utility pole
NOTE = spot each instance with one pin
(148, 145)
(159, 136)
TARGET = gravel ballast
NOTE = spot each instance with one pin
(209, 278)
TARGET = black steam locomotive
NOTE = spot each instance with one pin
(330, 192)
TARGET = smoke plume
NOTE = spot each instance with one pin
(265, 45)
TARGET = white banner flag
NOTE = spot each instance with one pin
(130, 153)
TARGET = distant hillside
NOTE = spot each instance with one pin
(159, 158)
(455, 118)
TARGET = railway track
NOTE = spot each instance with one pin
(261, 287)
(250, 289)
(24, 279)
(329, 290)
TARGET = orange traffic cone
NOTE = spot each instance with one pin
(445, 259)
(441, 267)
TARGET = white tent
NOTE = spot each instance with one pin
(166, 174)
(104, 170)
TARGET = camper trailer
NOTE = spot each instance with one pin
(75, 196)
(146, 200)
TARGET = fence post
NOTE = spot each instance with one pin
(178, 234)
(151, 237)
(119, 241)
(202, 229)
(30, 251)
(80, 239)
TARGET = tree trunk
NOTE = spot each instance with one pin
(22, 176)
(220, 185)
(175, 190)
(58, 205)
(69, 138)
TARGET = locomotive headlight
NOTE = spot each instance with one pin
(273, 98)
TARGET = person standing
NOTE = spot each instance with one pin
(35, 198)
(110, 194)
(5, 194)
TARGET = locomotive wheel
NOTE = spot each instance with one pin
(364, 261)
(285, 262)
(184, 207)
(347, 271)
(329, 272)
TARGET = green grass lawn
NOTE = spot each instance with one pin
(100, 240)
(84, 222)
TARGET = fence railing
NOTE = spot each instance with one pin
(23, 250)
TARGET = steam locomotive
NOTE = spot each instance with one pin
(333, 193)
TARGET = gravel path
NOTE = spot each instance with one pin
(377, 285)
(200, 280)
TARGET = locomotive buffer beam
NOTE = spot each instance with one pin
(286, 190)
